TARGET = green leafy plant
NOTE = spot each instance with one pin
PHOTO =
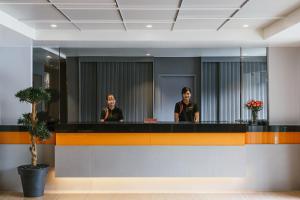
(37, 129)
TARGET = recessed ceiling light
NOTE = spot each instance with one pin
(53, 25)
(245, 25)
(149, 26)
(148, 54)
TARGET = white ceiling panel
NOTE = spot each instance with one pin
(23, 1)
(268, 8)
(87, 4)
(98, 7)
(146, 3)
(32, 11)
(252, 23)
(155, 26)
(101, 26)
(46, 26)
(84, 1)
(148, 15)
(212, 3)
(204, 13)
(92, 14)
(207, 24)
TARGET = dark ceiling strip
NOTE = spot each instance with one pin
(63, 14)
(176, 15)
(233, 14)
(120, 14)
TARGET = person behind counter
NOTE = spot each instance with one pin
(185, 110)
(111, 113)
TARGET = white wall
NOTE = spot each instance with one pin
(284, 85)
(15, 73)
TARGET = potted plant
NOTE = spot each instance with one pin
(254, 106)
(33, 175)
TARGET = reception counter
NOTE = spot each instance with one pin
(154, 149)
(135, 134)
(158, 134)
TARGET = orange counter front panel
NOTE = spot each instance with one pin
(20, 137)
(218, 139)
(273, 138)
(228, 139)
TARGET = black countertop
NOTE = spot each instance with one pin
(139, 127)
(160, 127)
(153, 127)
(274, 128)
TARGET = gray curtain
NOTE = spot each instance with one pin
(229, 91)
(130, 82)
(209, 91)
(88, 92)
(220, 91)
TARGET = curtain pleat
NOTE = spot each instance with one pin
(229, 92)
(209, 91)
(88, 91)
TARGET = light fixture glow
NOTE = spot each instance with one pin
(53, 25)
(149, 26)
(245, 25)
(148, 54)
(49, 57)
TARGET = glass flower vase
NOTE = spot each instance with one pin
(254, 117)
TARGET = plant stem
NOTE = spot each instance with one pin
(33, 151)
(33, 148)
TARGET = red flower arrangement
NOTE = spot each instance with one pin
(254, 105)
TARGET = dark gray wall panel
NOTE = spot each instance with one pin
(169, 97)
(72, 88)
(172, 66)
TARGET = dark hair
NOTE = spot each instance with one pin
(185, 90)
(110, 95)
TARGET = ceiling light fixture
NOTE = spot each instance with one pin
(148, 54)
(245, 25)
(148, 26)
(53, 25)
(49, 57)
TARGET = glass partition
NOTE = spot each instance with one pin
(222, 81)
(47, 74)
(254, 80)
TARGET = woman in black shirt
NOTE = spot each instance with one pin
(185, 110)
(111, 113)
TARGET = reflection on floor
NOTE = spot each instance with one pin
(225, 196)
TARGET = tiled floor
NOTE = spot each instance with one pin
(228, 196)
